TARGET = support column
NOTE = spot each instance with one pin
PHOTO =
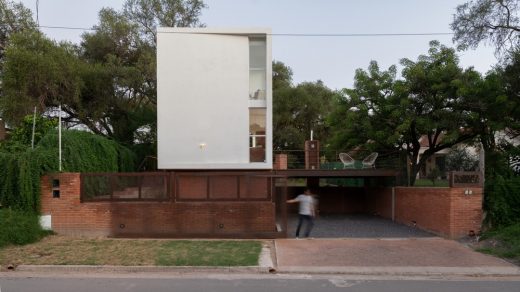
(312, 154)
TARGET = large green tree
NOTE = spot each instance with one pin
(37, 72)
(298, 109)
(383, 112)
(147, 15)
(108, 82)
(14, 17)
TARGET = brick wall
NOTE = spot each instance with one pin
(182, 219)
(444, 211)
(280, 161)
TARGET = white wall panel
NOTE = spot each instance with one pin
(202, 100)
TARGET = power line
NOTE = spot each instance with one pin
(64, 27)
(358, 34)
(288, 34)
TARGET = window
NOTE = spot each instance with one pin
(257, 67)
(257, 120)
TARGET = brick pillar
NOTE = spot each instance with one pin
(280, 161)
(312, 154)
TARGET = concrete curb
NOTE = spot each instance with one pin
(353, 271)
(404, 271)
(139, 269)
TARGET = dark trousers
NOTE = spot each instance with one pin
(309, 223)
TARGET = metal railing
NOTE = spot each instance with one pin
(179, 186)
(140, 186)
(329, 159)
(465, 179)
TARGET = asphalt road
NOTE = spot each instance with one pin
(252, 284)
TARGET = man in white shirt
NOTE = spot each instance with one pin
(306, 212)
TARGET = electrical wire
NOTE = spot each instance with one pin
(289, 34)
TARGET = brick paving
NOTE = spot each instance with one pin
(423, 252)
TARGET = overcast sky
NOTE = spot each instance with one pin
(331, 59)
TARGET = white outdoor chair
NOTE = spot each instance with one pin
(370, 160)
(348, 162)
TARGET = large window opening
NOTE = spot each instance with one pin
(257, 68)
(257, 121)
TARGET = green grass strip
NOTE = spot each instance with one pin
(208, 253)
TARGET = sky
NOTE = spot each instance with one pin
(330, 59)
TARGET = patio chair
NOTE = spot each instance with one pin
(370, 160)
(348, 162)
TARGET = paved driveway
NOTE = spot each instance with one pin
(385, 255)
(357, 226)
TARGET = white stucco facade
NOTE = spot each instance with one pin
(205, 99)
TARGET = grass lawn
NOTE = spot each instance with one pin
(422, 182)
(59, 250)
(504, 242)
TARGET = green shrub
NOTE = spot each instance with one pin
(18, 227)
(81, 152)
(502, 200)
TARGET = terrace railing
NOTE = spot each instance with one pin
(329, 159)
(135, 186)
(466, 179)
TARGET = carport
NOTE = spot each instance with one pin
(350, 203)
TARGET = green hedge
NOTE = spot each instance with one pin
(18, 227)
(502, 200)
(81, 152)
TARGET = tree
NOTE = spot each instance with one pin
(37, 72)
(149, 14)
(108, 82)
(282, 76)
(459, 159)
(14, 18)
(298, 109)
(510, 76)
(381, 112)
(493, 21)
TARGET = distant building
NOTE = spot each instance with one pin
(214, 98)
(438, 160)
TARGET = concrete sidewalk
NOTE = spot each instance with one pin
(397, 257)
(424, 256)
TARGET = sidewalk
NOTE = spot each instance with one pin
(405, 256)
(397, 257)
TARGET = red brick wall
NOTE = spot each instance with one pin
(427, 208)
(70, 216)
(444, 211)
(280, 161)
(466, 211)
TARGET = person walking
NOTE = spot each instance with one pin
(307, 211)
